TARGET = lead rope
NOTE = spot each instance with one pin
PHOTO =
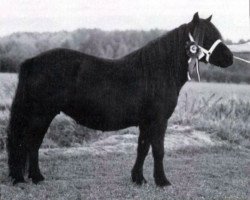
(197, 69)
(196, 66)
(238, 58)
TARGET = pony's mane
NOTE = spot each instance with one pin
(168, 52)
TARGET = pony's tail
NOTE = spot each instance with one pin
(17, 151)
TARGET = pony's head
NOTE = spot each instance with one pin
(207, 36)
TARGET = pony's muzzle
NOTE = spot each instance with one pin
(222, 56)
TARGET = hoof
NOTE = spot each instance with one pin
(18, 180)
(36, 178)
(162, 182)
(138, 178)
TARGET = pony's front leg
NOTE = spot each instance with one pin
(157, 142)
(142, 152)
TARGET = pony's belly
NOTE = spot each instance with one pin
(106, 126)
(103, 122)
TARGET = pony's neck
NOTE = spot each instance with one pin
(166, 58)
(175, 59)
(163, 60)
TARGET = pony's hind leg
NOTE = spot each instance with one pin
(17, 152)
(17, 155)
(142, 152)
(37, 128)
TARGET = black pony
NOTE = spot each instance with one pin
(140, 89)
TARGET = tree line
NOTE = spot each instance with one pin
(107, 44)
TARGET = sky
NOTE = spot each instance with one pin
(231, 17)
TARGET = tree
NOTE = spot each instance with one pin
(228, 42)
(66, 44)
(8, 65)
(109, 53)
(122, 50)
(241, 41)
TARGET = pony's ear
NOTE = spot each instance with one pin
(209, 18)
(196, 18)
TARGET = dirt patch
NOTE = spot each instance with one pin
(125, 141)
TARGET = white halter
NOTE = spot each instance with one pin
(203, 52)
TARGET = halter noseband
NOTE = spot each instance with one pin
(198, 53)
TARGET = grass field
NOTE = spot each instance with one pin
(207, 150)
(217, 173)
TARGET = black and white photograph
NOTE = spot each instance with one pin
(120, 99)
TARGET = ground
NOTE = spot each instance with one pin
(198, 167)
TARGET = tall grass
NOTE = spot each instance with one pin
(227, 118)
